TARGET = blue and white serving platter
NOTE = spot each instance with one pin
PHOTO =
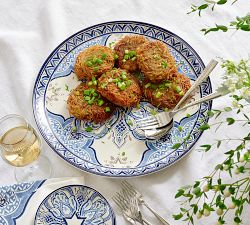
(75, 204)
(116, 148)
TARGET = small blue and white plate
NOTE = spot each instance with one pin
(116, 148)
(75, 205)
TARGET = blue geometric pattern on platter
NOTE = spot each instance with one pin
(116, 148)
(74, 203)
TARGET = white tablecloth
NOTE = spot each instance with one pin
(30, 30)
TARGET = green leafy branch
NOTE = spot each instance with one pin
(240, 23)
(208, 4)
(197, 195)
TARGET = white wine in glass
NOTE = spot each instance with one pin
(21, 147)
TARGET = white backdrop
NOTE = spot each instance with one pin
(30, 30)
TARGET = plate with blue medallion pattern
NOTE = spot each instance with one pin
(75, 205)
(116, 148)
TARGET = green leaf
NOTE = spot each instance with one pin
(197, 183)
(207, 147)
(221, 2)
(88, 129)
(195, 209)
(230, 121)
(178, 216)
(183, 210)
(204, 127)
(179, 193)
(237, 219)
(228, 109)
(210, 114)
(204, 6)
(218, 143)
(177, 145)
(197, 191)
(222, 27)
(245, 27)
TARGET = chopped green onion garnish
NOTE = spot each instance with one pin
(134, 58)
(164, 64)
(153, 112)
(178, 89)
(103, 86)
(124, 60)
(116, 56)
(88, 129)
(147, 85)
(124, 77)
(74, 129)
(99, 61)
(153, 86)
(129, 122)
(180, 128)
(126, 57)
(158, 94)
(87, 98)
(100, 102)
(96, 68)
(126, 51)
(86, 92)
(128, 82)
(107, 109)
(94, 60)
(66, 87)
(90, 83)
(132, 53)
(89, 63)
(93, 78)
(95, 82)
(104, 56)
(167, 85)
(188, 115)
(181, 93)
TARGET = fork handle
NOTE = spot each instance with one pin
(209, 68)
(146, 222)
(204, 99)
(156, 214)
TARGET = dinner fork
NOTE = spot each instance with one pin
(134, 193)
(165, 118)
(129, 208)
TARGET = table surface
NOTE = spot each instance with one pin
(30, 30)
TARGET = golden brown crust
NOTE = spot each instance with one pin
(169, 97)
(124, 98)
(156, 62)
(130, 43)
(84, 71)
(80, 109)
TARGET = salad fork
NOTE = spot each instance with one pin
(134, 193)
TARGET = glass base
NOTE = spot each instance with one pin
(38, 170)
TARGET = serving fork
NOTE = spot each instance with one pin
(164, 119)
(134, 193)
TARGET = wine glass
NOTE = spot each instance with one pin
(20, 146)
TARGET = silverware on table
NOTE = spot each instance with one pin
(130, 208)
(134, 193)
(165, 119)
